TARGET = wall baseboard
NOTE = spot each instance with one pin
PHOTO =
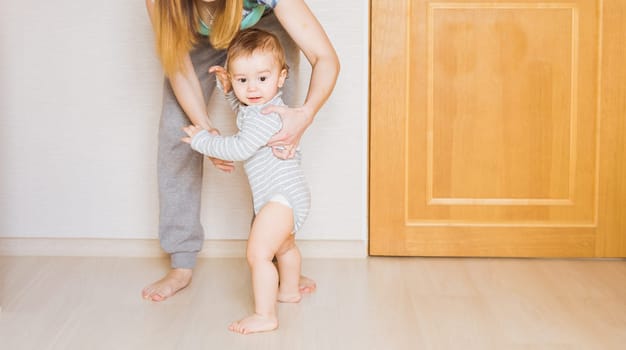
(151, 248)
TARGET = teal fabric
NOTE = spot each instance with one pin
(253, 17)
(253, 10)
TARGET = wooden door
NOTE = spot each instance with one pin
(497, 128)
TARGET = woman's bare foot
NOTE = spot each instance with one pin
(306, 285)
(167, 286)
(254, 324)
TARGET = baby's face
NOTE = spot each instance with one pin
(256, 78)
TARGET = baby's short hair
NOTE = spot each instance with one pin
(248, 41)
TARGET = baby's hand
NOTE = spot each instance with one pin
(222, 75)
(224, 165)
(191, 131)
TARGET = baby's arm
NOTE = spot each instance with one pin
(254, 134)
(231, 99)
(223, 85)
(193, 130)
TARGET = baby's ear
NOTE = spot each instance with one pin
(282, 77)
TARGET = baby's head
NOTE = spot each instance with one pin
(256, 66)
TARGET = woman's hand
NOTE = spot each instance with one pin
(223, 165)
(307, 32)
(295, 123)
(222, 75)
(191, 131)
(226, 166)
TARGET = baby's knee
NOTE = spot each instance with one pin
(256, 255)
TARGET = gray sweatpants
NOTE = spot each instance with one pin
(180, 168)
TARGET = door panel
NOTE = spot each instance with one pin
(485, 129)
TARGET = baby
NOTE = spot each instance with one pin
(256, 70)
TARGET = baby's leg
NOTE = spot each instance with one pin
(271, 227)
(289, 267)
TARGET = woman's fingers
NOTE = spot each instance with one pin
(223, 165)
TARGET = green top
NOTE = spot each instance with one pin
(253, 10)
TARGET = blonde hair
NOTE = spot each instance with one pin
(176, 29)
(252, 40)
(227, 23)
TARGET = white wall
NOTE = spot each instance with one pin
(80, 94)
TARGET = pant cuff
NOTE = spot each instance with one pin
(183, 260)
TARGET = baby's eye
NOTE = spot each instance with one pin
(262, 78)
(241, 80)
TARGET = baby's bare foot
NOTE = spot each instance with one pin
(167, 286)
(254, 324)
(306, 285)
(285, 297)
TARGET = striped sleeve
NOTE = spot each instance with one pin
(254, 133)
(230, 97)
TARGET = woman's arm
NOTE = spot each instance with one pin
(188, 92)
(189, 95)
(186, 86)
(308, 34)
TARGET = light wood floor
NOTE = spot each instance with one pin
(373, 303)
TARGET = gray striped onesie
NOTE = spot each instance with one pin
(268, 176)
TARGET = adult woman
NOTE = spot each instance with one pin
(186, 57)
